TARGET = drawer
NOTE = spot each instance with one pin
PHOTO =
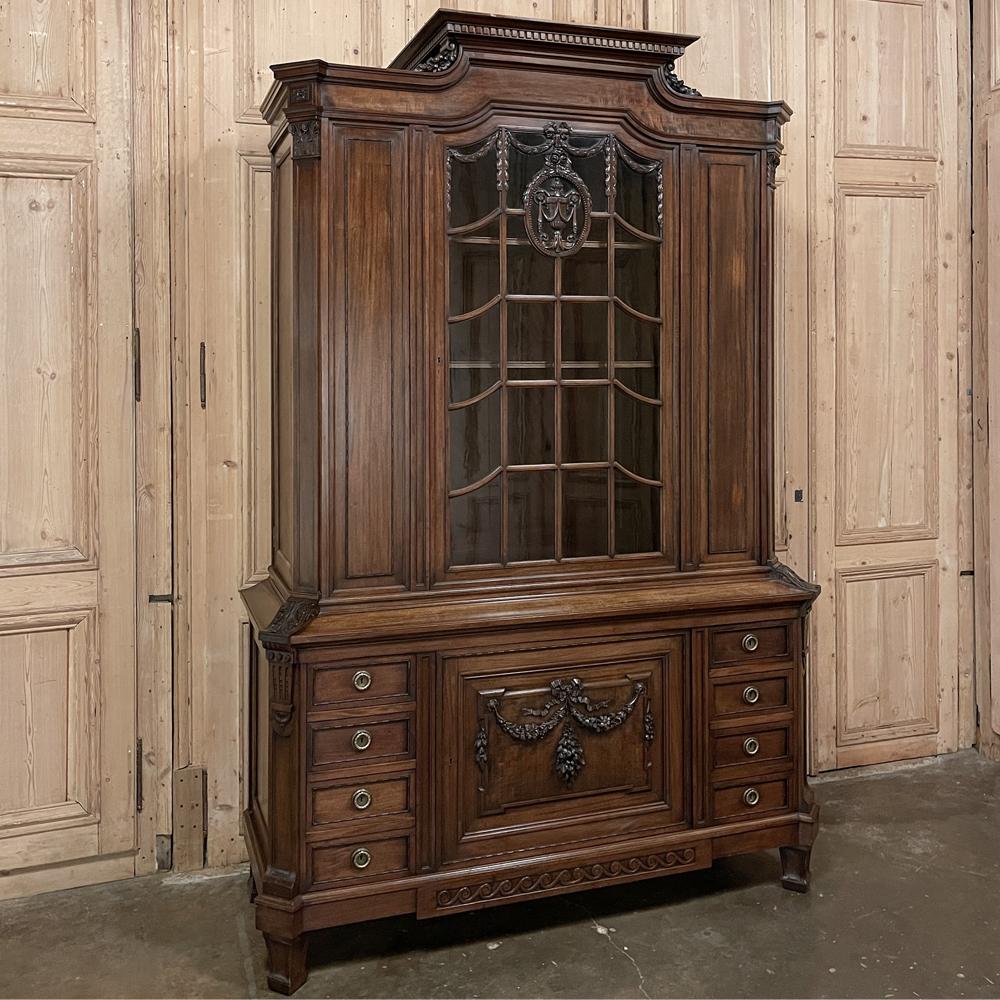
(757, 694)
(750, 747)
(347, 742)
(364, 682)
(360, 800)
(748, 798)
(744, 645)
(358, 860)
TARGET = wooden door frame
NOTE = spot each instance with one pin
(154, 442)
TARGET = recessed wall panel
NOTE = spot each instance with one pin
(883, 96)
(886, 365)
(887, 652)
(47, 388)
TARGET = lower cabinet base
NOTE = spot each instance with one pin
(285, 923)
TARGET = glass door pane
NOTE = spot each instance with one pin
(554, 349)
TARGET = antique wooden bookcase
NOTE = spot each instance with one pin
(523, 632)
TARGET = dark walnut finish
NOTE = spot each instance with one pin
(523, 631)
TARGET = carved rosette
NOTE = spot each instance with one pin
(293, 615)
(305, 138)
(560, 878)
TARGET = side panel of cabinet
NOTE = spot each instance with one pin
(548, 745)
(283, 428)
(724, 360)
(369, 292)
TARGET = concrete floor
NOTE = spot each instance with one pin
(905, 903)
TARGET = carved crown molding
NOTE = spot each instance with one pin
(562, 878)
(446, 51)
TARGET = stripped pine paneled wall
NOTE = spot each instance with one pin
(67, 540)
(134, 297)
(873, 496)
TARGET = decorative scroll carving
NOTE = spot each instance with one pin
(441, 59)
(568, 704)
(293, 615)
(305, 138)
(675, 83)
(560, 878)
(557, 203)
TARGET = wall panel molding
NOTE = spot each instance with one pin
(887, 652)
(47, 60)
(48, 250)
(886, 370)
(885, 67)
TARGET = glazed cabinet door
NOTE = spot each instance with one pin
(549, 745)
(555, 352)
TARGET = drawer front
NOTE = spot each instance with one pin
(745, 645)
(358, 860)
(348, 742)
(749, 798)
(360, 800)
(363, 682)
(758, 694)
(560, 743)
(751, 747)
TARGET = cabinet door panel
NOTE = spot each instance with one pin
(549, 745)
(725, 343)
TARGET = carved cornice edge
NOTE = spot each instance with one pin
(561, 878)
(446, 52)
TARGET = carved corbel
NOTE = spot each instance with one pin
(305, 138)
(292, 616)
(773, 159)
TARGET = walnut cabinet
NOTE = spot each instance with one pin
(523, 631)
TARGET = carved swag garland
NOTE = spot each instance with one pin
(568, 704)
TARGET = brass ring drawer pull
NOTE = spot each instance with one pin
(750, 642)
(362, 680)
(751, 745)
(361, 858)
(751, 796)
(362, 798)
(751, 695)
(362, 739)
